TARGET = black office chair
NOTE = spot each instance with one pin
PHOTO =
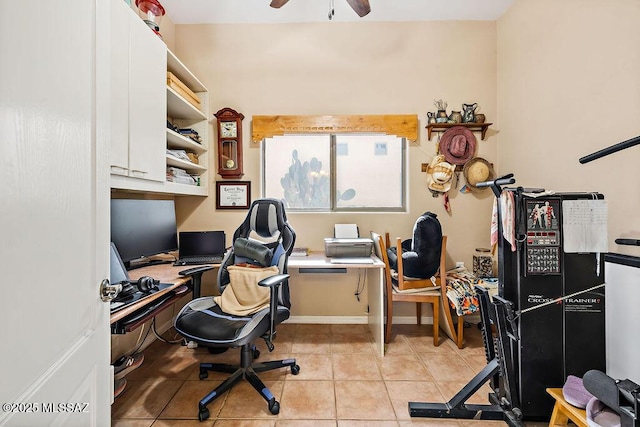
(203, 320)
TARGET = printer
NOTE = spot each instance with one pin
(345, 247)
(347, 243)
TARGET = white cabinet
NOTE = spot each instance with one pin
(142, 104)
(139, 100)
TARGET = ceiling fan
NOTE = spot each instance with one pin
(361, 7)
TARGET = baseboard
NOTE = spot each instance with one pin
(329, 320)
(352, 320)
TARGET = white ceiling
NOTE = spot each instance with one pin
(258, 11)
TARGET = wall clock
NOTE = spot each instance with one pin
(229, 143)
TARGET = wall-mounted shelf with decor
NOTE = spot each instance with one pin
(442, 127)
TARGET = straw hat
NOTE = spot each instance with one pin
(458, 144)
(477, 170)
(440, 174)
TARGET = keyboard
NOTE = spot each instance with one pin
(120, 303)
(199, 260)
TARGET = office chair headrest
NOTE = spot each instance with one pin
(267, 217)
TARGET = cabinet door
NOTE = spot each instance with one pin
(119, 50)
(147, 103)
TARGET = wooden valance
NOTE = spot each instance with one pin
(405, 126)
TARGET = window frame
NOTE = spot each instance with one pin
(333, 205)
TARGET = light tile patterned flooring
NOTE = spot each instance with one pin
(342, 383)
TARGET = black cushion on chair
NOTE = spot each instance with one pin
(253, 251)
(420, 255)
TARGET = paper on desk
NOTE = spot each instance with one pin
(345, 231)
(584, 224)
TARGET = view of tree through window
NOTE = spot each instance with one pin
(335, 172)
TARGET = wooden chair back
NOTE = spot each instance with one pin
(391, 295)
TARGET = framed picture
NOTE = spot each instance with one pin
(233, 194)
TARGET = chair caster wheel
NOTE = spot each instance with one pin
(203, 375)
(295, 369)
(274, 406)
(203, 414)
(256, 353)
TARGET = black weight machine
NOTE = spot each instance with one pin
(622, 396)
(499, 353)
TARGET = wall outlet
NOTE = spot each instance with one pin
(459, 264)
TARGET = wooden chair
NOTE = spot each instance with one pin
(436, 297)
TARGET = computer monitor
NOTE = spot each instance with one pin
(143, 227)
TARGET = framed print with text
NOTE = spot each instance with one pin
(233, 194)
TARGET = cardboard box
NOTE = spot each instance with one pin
(174, 83)
(193, 157)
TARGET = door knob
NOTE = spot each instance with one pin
(109, 291)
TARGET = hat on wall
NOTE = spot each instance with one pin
(458, 144)
(477, 170)
(440, 174)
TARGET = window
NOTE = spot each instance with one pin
(342, 172)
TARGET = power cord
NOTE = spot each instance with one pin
(153, 327)
(143, 340)
(360, 286)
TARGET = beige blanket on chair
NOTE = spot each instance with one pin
(243, 296)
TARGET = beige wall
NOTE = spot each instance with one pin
(569, 85)
(342, 68)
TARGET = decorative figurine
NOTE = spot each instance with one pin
(469, 112)
(455, 117)
(441, 115)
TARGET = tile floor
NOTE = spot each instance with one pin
(342, 383)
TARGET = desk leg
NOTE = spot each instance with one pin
(375, 290)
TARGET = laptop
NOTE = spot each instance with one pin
(201, 247)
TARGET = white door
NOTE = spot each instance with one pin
(54, 248)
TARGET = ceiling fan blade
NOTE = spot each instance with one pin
(361, 7)
(277, 4)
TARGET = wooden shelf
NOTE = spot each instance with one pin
(182, 72)
(192, 168)
(175, 140)
(180, 108)
(442, 127)
(186, 189)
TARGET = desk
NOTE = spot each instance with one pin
(166, 273)
(317, 262)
